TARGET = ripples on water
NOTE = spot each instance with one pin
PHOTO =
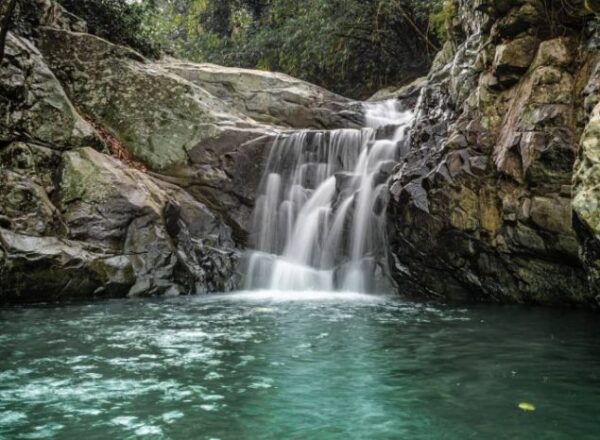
(272, 366)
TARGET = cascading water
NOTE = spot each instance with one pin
(318, 221)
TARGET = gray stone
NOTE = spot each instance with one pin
(271, 97)
(33, 103)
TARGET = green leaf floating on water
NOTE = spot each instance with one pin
(526, 406)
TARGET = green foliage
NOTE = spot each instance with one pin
(439, 19)
(352, 47)
(120, 21)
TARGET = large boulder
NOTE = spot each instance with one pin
(77, 222)
(166, 232)
(36, 269)
(33, 103)
(158, 116)
(107, 229)
(271, 97)
(176, 128)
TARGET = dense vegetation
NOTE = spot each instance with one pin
(350, 46)
(120, 21)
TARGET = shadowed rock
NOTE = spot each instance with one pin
(481, 207)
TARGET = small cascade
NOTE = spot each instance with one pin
(318, 221)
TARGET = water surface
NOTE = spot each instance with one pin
(297, 366)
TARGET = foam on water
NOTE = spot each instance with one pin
(296, 364)
(274, 295)
(319, 218)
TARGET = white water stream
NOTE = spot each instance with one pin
(318, 221)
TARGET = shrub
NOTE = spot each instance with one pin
(352, 47)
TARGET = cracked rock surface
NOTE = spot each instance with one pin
(482, 206)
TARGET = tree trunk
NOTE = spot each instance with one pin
(593, 6)
(7, 8)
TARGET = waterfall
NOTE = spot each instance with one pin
(318, 220)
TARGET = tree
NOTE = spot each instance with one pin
(119, 21)
(352, 47)
(7, 9)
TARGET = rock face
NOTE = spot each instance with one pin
(171, 217)
(75, 221)
(586, 195)
(80, 223)
(272, 98)
(33, 103)
(158, 116)
(404, 94)
(481, 207)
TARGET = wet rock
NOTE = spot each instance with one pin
(205, 248)
(152, 258)
(36, 269)
(407, 94)
(487, 217)
(513, 59)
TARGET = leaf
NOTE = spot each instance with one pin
(525, 406)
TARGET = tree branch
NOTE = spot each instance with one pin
(416, 28)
